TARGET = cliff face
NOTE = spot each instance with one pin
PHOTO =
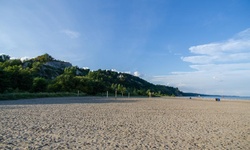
(52, 69)
(46, 66)
(58, 64)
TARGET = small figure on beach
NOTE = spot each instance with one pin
(217, 99)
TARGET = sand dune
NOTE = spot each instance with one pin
(135, 123)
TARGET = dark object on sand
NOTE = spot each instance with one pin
(217, 99)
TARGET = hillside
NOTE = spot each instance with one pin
(46, 74)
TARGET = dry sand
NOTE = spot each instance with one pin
(135, 123)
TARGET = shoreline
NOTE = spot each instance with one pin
(132, 97)
(213, 98)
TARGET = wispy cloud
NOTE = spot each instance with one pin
(71, 34)
(233, 50)
(219, 68)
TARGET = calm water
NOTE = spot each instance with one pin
(227, 97)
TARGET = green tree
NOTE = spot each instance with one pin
(70, 71)
(4, 58)
(89, 86)
(25, 80)
(121, 89)
(39, 84)
(12, 73)
(66, 82)
(44, 58)
(18, 78)
(4, 81)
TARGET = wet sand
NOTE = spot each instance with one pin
(134, 123)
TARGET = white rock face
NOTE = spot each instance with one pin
(58, 64)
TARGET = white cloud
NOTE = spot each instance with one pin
(244, 34)
(71, 34)
(235, 49)
(128, 72)
(24, 58)
(137, 74)
(213, 82)
(215, 58)
(219, 68)
(232, 45)
(199, 59)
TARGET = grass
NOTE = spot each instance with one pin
(26, 95)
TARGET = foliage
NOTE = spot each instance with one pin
(35, 75)
(44, 58)
(39, 84)
(4, 58)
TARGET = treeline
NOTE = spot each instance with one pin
(45, 74)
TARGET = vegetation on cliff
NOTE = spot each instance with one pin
(46, 74)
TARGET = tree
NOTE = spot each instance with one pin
(149, 93)
(18, 78)
(44, 58)
(25, 80)
(12, 74)
(36, 75)
(89, 86)
(4, 58)
(70, 71)
(39, 84)
(3, 81)
(121, 89)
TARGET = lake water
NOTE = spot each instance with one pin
(226, 97)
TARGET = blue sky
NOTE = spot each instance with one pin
(195, 45)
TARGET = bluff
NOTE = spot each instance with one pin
(46, 74)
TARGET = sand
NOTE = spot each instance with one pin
(134, 123)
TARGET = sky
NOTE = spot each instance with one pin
(196, 45)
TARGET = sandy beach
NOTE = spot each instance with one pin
(134, 123)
